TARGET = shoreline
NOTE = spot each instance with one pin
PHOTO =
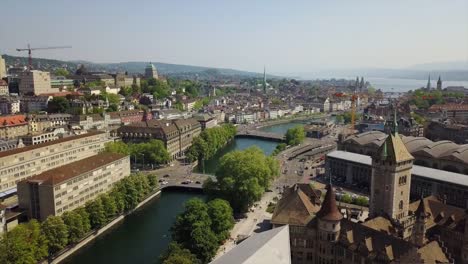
(67, 253)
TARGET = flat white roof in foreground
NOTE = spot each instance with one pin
(420, 171)
(269, 247)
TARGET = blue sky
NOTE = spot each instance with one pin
(286, 36)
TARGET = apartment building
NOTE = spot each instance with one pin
(13, 126)
(38, 138)
(177, 135)
(9, 105)
(65, 188)
(22, 163)
(35, 82)
(3, 87)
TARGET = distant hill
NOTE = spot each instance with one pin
(130, 67)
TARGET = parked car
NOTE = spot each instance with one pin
(198, 182)
(166, 176)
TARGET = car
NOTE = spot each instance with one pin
(164, 182)
(198, 182)
(185, 182)
(268, 190)
(166, 176)
(161, 180)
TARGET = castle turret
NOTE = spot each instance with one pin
(328, 225)
(420, 228)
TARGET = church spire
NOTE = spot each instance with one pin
(395, 123)
(428, 82)
(264, 79)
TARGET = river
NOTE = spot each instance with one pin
(144, 235)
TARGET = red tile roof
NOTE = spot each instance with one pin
(12, 120)
(449, 107)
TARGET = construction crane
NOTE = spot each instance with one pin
(29, 49)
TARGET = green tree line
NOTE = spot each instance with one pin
(209, 142)
(199, 231)
(151, 152)
(32, 242)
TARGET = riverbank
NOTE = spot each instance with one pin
(99, 232)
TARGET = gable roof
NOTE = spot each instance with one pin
(296, 207)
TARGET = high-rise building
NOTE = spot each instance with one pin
(439, 84)
(35, 82)
(151, 72)
(2, 67)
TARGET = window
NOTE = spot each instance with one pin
(401, 205)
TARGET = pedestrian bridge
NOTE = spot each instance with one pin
(260, 135)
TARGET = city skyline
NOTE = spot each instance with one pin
(286, 37)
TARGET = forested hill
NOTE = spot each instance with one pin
(130, 67)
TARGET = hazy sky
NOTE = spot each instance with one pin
(286, 36)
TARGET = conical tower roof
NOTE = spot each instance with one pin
(421, 210)
(329, 211)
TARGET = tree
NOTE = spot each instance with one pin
(192, 229)
(61, 72)
(112, 108)
(145, 100)
(176, 254)
(56, 233)
(243, 176)
(97, 215)
(346, 198)
(117, 147)
(74, 223)
(113, 99)
(23, 244)
(222, 220)
(295, 135)
(110, 207)
(153, 181)
(81, 70)
(58, 105)
(84, 219)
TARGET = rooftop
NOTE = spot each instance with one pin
(46, 144)
(69, 171)
(269, 247)
(421, 171)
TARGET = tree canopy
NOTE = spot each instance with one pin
(58, 105)
(56, 233)
(295, 135)
(243, 176)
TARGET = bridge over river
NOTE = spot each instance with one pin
(260, 135)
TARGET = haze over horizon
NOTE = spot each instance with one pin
(288, 37)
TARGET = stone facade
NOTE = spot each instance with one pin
(13, 126)
(355, 170)
(177, 135)
(65, 188)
